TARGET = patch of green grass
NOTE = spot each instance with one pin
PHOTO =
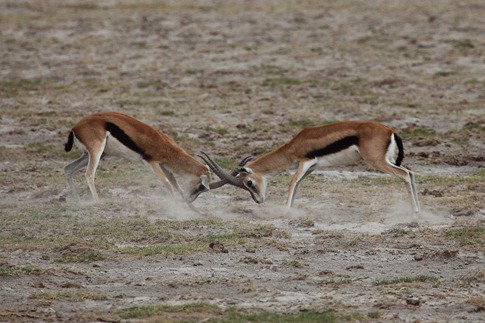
(398, 232)
(270, 69)
(417, 132)
(220, 130)
(473, 126)
(338, 281)
(193, 71)
(85, 257)
(157, 84)
(69, 296)
(81, 6)
(305, 317)
(468, 236)
(18, 270)
(14, 88)
(140, 312)
(355, 87)
(281, 81)
(42, 148)
(134, 230)
(166, 249)
(374, 314)
(225, 162)
(462, 136)
(294, 263)
(98, 85)
(188, 143)
(462, 45)
(166, 113)
(444, 73)
(260, 231)
(139, 44)
(407, 279)
(213, 313)
(449, 181)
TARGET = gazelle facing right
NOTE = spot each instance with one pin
(336, 144)
(118, 134)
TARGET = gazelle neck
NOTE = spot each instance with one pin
(273, 162)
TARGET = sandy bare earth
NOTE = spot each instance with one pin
(237, 78)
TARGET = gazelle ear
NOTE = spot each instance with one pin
(245, 170)
(204, 180)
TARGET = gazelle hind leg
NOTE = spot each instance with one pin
(414, 191)
(94, 156)
(406, 175)
(72, 168)
(304, 169)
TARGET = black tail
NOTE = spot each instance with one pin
(70, 141)
(400, 147)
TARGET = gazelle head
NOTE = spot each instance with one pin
(194, 186)
(255, 183)
(242, 177)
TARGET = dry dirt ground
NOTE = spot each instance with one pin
(237, 78)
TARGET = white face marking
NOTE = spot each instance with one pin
(344, 157)
(256, 185)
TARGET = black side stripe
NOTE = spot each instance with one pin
(69, 143)
(335, 147)
(126, 140)
(400, 147)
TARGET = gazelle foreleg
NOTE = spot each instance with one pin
(157, 169)
(72, 168)
(172, 179)
(304, 169)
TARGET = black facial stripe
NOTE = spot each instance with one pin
(126, 140)
(334, 147)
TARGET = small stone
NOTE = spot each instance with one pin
(415, 301)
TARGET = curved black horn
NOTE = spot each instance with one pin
(234, 172)
(245, 160)
(221, 173)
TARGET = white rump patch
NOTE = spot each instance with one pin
(391, 151)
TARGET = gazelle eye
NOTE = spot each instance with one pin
(250, 184)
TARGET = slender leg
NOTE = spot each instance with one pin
(95, 154)
(161, 174)
(412, 187)
(304, 169)
(172, 180)
(406, 175)
(72, 168)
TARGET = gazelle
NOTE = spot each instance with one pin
(118, 134)
(336, 144)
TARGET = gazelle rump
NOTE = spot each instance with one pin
(336, 144)
(120, 135)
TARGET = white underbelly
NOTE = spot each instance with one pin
(347, 156)
(115, 148)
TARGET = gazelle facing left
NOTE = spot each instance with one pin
(118, 134)
(336, 144)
